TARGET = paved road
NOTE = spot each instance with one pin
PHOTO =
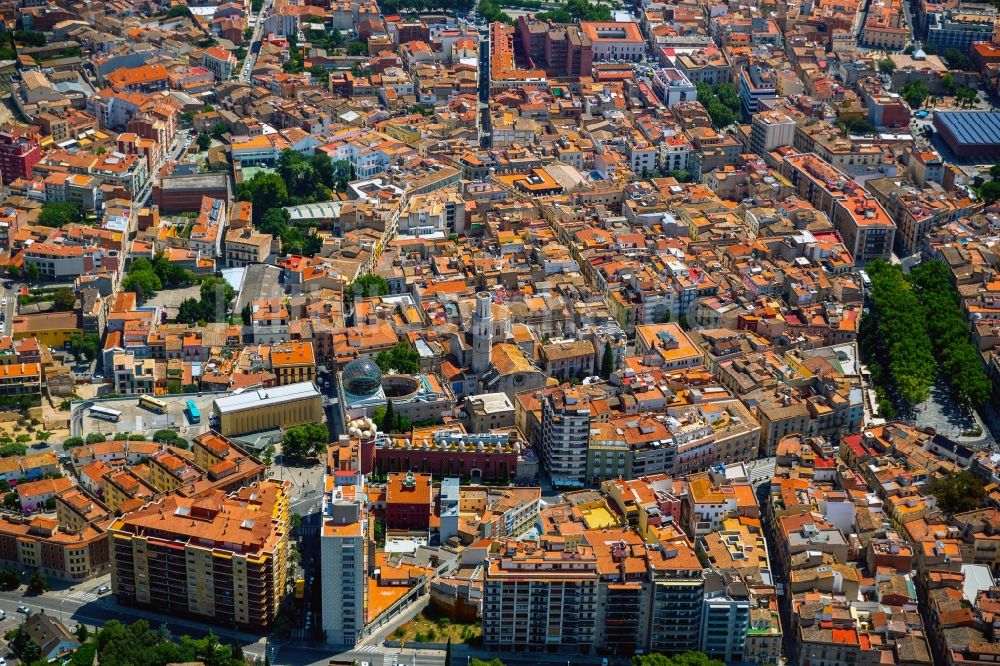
(485, 127)
(82, 605)
(10, 308)
(180, 144)
(254, 49)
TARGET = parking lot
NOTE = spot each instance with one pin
(137, 419)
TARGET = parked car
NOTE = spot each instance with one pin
(23, 609)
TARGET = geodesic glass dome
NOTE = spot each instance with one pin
(361, 378)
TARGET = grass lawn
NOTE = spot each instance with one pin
(431, 626)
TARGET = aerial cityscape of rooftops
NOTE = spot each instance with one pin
(500, 333)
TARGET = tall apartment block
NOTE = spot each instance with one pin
(613, 593)
(343, 555)
(676, 598)
(623, 611)
(958, 28)
(222, 559)
(725, 619)
(565, 436)
(536, 598)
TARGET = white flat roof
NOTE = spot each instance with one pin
(493, 402)
(253, 398)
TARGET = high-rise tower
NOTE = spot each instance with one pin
(482, 332)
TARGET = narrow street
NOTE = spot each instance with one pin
(485, 125)
(255, 41)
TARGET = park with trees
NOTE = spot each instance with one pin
(915, 332)
(722, 101)
(305, 441)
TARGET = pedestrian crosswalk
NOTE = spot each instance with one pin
(82, 597)
(370, 649)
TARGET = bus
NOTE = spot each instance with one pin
(193, 414)
(105, 413)
(153, 404)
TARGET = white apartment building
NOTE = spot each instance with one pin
(770, 130)
(565, 437)
(343, 566)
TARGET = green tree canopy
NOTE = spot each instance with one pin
(275, 221)
(63, 299)
(721, 101)
(958, 492)
(955, 59)
(341, 172)
(683, 659)
(302, 441)
(178, 10)
(26, 648)
(958, 359)
(904, 345)
(58, 213)
(85, 346)
(297, 172)
(990, 191)
(577, 10)
(915, 93)
(145, 284)
(266, 191)
(402, 358)
(38, 583)
(217, 292)
(388, 420)
(369, 285)
(966, 96)
(857, 126)
(140, 645)
(9, 579)
(189, 311)
(216, 298)
(29, 37)
(607, 361)
(170, 274)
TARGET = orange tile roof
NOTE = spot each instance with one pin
(418, 493)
